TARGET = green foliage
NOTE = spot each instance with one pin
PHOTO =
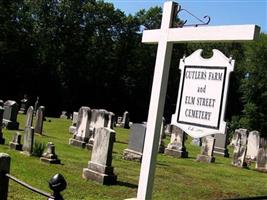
(38, 148)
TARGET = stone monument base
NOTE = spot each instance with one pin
(15, 146)
(77, 143)
(176, 153)
(50, 160)
(204, 158)
(129, 154)
(221, 151)
(10, 125)
(99, 173)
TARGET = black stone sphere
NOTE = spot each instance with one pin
(57, 183)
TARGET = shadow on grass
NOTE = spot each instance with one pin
(121, 142)
(129, 185)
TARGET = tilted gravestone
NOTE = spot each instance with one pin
(29, 117)
(261, 162)
(50, 156)
(136, 143)
(100, 119)
(126, 120)
(100, 167)
(2, 139)
(207, 150)
(16, 142)
(82, 132)
(38, 128)
(220, 147)
(10, 115)
(240, 148)
(253, 145)
(176, 146)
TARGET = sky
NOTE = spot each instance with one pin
(221, 12)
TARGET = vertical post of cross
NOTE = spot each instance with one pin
(156, 107)
(4, 168)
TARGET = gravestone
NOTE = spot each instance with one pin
(50, 156)
(63, 115)
(100, 119)
(29, 117)
(126, 120)
(100, 167)
(2, 139)
(10, 115)
(36, 105)
(38, 128)
(253, 145)
(72, 128)
(136, 143)
(119, 121)
(28, 140)
(162, 136)
(207, 150)
(220, 147)
(261, 161)
(24, 103)
(240, 148)
(82, 132)
(176, 147)
(111, 120)
(168, 130)
(16, 142)
(197, 142)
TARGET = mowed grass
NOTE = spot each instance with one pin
(175, 178)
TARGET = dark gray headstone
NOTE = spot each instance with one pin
(39, 120)
(240, 148)
(36, 105)
(176, 146)
(126, 120)
(136, 143)
(100, 167)
(10, 115)
(220, 147)
(2, 140)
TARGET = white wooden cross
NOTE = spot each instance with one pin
(166, 36)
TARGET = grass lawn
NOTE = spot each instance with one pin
(175, 178)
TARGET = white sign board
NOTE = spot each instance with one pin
(203, 93)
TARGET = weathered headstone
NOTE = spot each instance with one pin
(240, 148)
(136, 143)
(72, 128)
(126, 120)
(29, 117)
(162, 136)
(261, 162)
(197, 142)
(119, 121)
(207, 148)
(50, 156)
(28, 140)
(63, 115)
(100, 167)
(24, 105)
(176, 146)
(16, 142)
(2, 139)
(253, 145)
(10, 115)
(38, 128)
(220, 147)
(82, 132)
(111, 119)
(168, 130)
(36, 105)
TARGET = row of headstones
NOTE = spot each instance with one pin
(88, 121)
(243, 149)
(249, 147)
(27, 147)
